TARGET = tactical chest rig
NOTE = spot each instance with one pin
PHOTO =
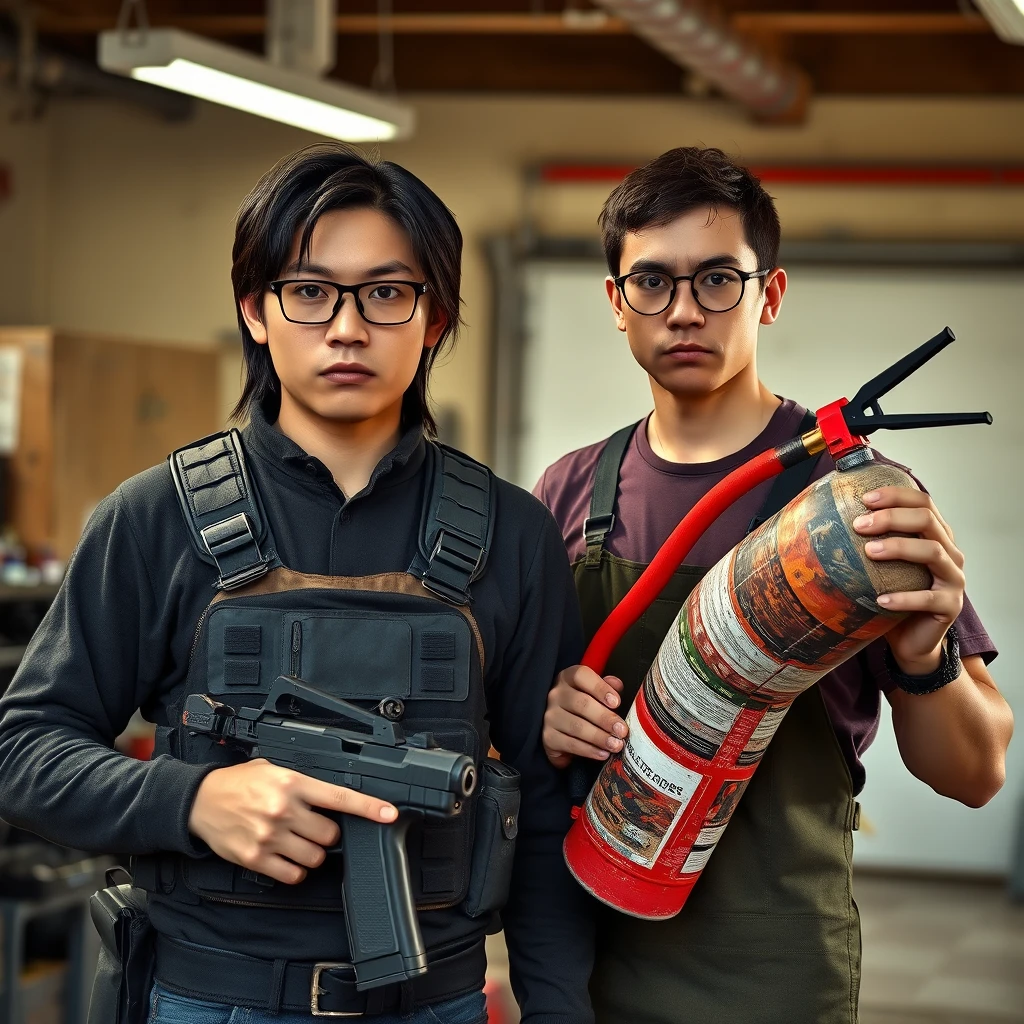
(404, 644)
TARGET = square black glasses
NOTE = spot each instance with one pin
(383, 303)
(716, 289)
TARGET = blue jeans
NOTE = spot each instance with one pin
(169, 1008)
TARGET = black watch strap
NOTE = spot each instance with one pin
(948, 670)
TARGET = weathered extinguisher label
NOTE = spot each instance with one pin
(761, 736)
(639, 796)
(737, 645)
(691, 693)
(684, 727)
(715, 820)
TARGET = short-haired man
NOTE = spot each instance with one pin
(771, 932)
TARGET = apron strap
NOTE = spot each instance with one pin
(789, 483)
(599, 523)
(601, 520)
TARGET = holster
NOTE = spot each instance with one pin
(124, 971)
(497, 825)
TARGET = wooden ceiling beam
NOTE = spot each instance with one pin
(858, 23)
(887, 65)
(569, 23)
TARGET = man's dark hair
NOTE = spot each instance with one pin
(684, 179)
(291, 197)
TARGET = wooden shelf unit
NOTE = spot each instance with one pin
(95, 410)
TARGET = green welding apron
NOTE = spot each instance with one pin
(770, 933)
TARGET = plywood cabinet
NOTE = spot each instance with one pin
(93, 411)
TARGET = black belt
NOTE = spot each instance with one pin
(323, 989)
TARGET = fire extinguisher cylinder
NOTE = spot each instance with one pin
(791, 602)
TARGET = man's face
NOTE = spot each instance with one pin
(346, 370)
(687, 350)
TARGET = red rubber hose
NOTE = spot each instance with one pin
(760, 468)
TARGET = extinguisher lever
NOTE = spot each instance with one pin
(909, 421)
(863, 414)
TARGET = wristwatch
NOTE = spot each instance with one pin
(948, 670)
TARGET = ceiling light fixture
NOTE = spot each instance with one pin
(221, 74)
(1006, 17)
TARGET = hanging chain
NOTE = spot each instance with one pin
(29, 101)
(384, 73)
(124, 18)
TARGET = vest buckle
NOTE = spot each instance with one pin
(452, 566)
(228, 535)
(232, 535)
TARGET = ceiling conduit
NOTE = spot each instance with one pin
(689, 34)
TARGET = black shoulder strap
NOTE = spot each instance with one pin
(457, 524)
(789, 483)
(222, 509)
(599, 523)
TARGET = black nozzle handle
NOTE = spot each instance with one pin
(863, 414)
(385, 944)
(913, 420)
(901, 370)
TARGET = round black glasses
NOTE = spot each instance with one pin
(716, 290)
(383, 303)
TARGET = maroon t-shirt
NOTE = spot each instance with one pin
(652, 497)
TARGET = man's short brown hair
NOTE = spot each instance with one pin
(684, 179)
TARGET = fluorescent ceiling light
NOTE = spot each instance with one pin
(190, 64)
(1006, 17)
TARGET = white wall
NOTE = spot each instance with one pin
(839, 327)
(580, 379)
(24, 218)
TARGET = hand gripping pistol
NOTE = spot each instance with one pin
(411, 772)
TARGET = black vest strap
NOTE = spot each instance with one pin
(601, 520)
(230, 530)
(223, 509)
(457, 524)
(789, 483)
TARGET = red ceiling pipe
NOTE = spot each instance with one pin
(888, 175)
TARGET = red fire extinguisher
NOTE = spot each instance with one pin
(791, 602)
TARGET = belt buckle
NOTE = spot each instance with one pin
(314, 992)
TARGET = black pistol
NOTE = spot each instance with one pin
(410, 772)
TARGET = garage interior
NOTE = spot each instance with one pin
(892, 140)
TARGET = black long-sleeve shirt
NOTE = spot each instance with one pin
(119, 634)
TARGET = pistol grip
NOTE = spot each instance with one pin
(383, 931)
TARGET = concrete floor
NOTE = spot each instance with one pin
(935, 952)
(940, 952)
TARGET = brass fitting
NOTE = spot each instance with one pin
(813, 441)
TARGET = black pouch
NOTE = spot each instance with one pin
(124, 972)
(494, 843)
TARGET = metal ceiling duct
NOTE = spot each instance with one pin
(690, 35)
